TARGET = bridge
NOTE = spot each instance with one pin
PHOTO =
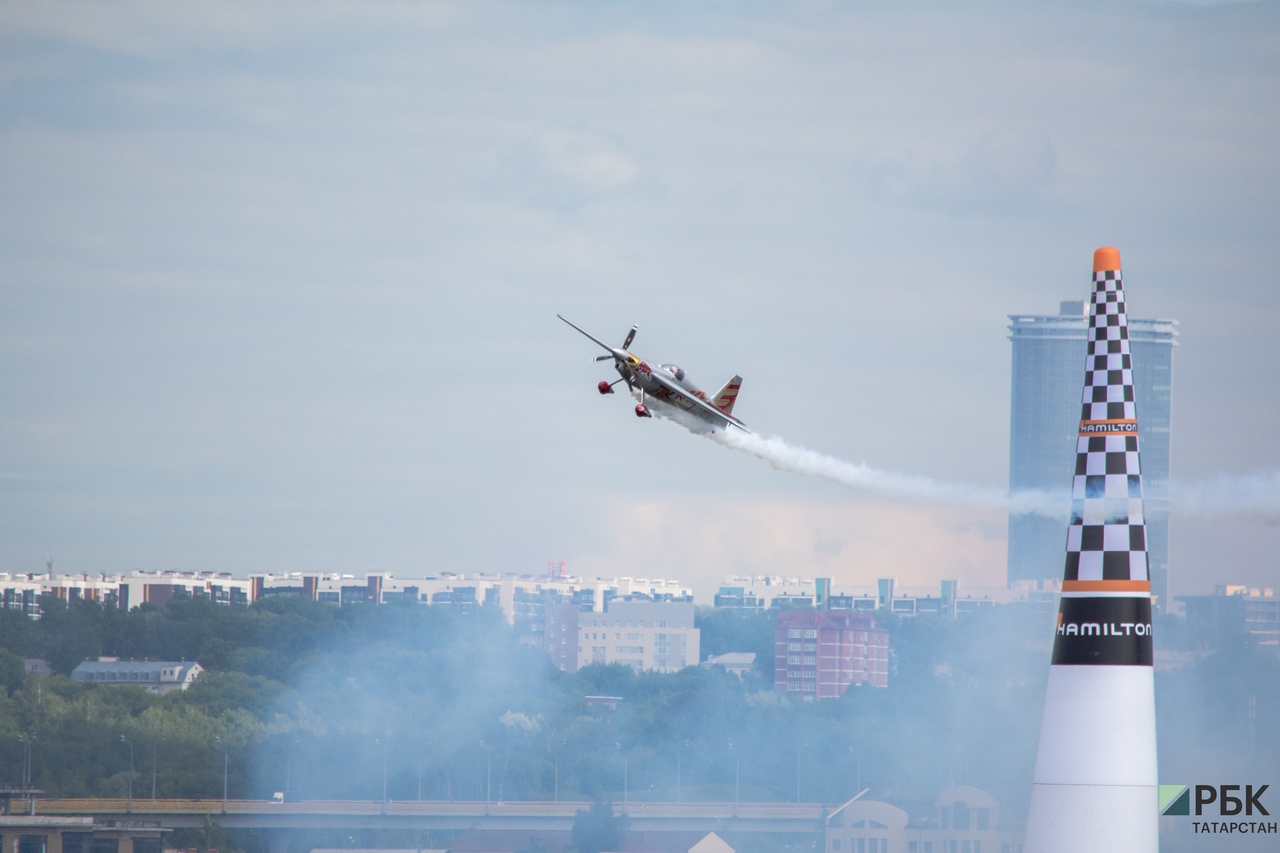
(437, 815)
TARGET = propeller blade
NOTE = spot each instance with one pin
(631, 336)
(589, 335)
(602, 358)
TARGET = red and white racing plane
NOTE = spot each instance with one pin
(667, 385)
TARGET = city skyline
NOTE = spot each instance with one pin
(280, 285)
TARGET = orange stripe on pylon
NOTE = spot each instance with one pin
(1106, 586)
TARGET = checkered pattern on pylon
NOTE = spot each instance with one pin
(1106, 539)
(1108, 379)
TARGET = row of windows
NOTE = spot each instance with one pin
(881, 845)
(632, 636)
(657, 623)
(126, 676)
(953, 846)
(801, 633)
(81, 842)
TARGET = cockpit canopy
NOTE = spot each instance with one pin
(675, 370)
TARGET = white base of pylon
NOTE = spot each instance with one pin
(1076, 818)
(1095, 781)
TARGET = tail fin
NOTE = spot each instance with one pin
(728, 395)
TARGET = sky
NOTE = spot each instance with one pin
(279, 282)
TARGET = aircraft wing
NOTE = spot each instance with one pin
(680, 398)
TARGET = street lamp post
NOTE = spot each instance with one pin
(126, 740)
(799, 749)
(26, 760)
(224, 773)
(155, 755)
(29, 797)
(488, 772)
(737, 766)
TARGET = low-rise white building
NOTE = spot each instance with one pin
(961, 819)
(153, 676)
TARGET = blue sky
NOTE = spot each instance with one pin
(278, 284)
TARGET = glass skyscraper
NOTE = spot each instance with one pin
(1048, 380)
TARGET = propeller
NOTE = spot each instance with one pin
(617, 355)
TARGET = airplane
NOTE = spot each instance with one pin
(667, 385)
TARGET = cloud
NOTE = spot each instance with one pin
(700, 542)
(563, 168)
(1006, 171)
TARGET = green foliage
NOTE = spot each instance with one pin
(415, 701)
(13, 674)
(598, 828)
(723, 631)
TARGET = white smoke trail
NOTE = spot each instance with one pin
(923, 490)
(799, 460)
(1254, 496)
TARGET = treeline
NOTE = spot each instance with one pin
(407, 702)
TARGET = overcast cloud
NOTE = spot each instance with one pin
(278, 283)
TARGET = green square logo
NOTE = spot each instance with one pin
(1175, 799)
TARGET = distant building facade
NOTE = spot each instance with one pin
(522, 598)
(1237, 611)
(820, 654)
(961, 819)
(651, 636)
(23, 591)
(48, 834)
(152, 676)
(1047, 382)
(740, 664)
(947, 600)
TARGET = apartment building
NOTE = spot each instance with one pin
(646, 635)
(820, 654)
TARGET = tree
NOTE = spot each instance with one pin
(598, 829)
(13, 673)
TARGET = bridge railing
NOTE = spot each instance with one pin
(52, 806)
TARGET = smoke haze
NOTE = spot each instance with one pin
(1255, 495)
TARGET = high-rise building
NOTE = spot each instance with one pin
(1048, 359)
